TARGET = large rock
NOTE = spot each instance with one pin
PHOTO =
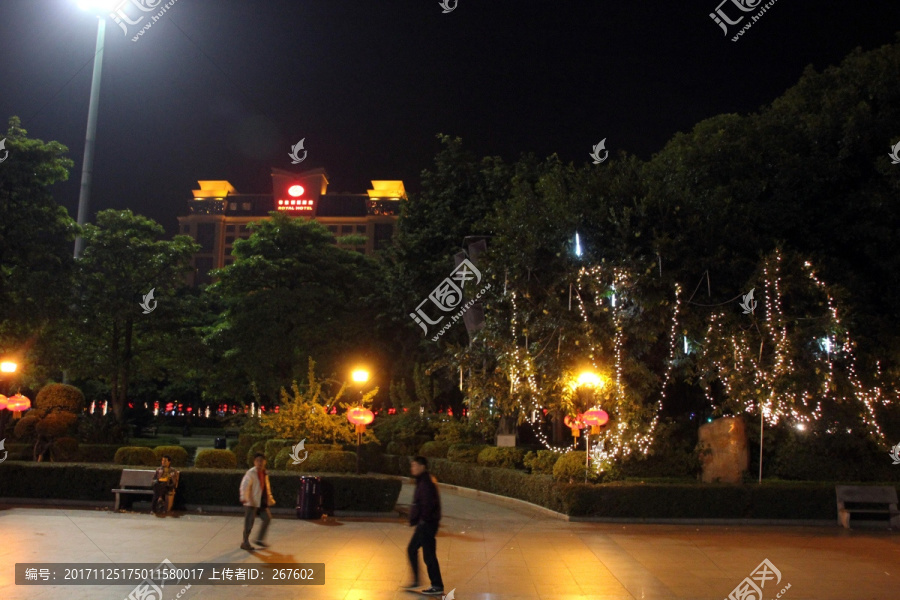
(725, 454)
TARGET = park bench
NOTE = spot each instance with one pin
(149, 431)
(133, 483)
(867, 499)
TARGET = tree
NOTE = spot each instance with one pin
(290, 294)
(109, 336)
(36, 236)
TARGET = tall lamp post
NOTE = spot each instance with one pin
(586, 383)
(100, 8)
(358, 415)
(7, 368)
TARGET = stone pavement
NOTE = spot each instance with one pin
(487, 551)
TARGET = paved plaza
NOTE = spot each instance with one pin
(487, 551)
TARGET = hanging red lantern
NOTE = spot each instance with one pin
(575, 424)
(360, 417)
(596, 418)
(3, 401)
(17, 404)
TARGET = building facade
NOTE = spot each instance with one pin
(218, 215)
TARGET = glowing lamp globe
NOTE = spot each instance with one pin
(596, 418)
(17, 404)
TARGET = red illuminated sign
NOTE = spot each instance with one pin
(296, 191)
(296, 205)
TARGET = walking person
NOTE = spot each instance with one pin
(256, 496)
(425, 516)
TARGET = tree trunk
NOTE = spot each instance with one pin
(118, 409)
(126, 363)
(557, 426)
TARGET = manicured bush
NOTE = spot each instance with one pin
(153, 442)
(215, 459)
(434, 449)
(59, 396)
(245, 441)
(570, 468)
(19, 451)
(24, 430)
(273, 447)
(326, 462)
(257, 447)
(178, 455)
(135, 455)
(541, 462)
(537, 489)
(97, 453)
(505, 458)
(64, 449)
(56, 424)
(467, 453)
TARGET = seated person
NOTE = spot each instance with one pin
(165, 481)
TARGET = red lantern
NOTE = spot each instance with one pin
(596, 418)
(574, 423)
(3, 401)
(17, 404)
(360, 417)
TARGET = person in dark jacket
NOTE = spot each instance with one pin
(425, 516)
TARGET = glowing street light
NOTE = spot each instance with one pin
(8, 366)
(360, 376)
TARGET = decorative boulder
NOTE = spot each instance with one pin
(725, 454)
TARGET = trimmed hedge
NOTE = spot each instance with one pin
(178, 455)
(64, 449)
(570, 467)
(135, 455)
(273, 447)
(537, 489)
(434, 449)
(215, 459)
(196, 486)
(467, 453)
(257, 447)
(97, 453)
(505, 458)
(326, 462)
(542, 461)
(401, 448)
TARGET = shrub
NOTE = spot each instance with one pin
(570, 468)
(505, 458)
(216, 459)
(24, 430)
(453, 431)
(56, 424)
(434, 449)
(100, 429)
(542, 461)
(257, 447)
(245, 441)
(64, 449)
(178, 455)
(283, 458)
(135, 455)
(467, 453)
(326, 462)
(273, 447)
(59, 396)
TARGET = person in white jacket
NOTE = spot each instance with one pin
(256, 496)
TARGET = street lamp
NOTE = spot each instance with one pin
(7, 367)
(100, 8)
(594, 417)
(358, 415)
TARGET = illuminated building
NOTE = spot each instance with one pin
(219, 214)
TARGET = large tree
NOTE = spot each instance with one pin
(290, 294)
(110, 336)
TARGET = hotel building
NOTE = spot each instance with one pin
(218, 214)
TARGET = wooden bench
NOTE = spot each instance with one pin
(866, 499)
(133, 483)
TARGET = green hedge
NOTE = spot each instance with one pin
(505, 458)
(97, 453)
(537, 489)
(135, 456)
(541, 462)
(216, 459)
(325, 462)
(196, 486)
(273, 447)
(467, 453)
(178, 455)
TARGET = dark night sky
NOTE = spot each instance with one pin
(220, 89)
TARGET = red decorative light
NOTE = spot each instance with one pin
(596, 417)
(296, 191)
(18, 403)
(170, 407)
(575, 424)
(276, 409)
(392, 411)
(3, 401)
(360, 416)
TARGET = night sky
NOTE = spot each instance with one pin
(221, 89)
